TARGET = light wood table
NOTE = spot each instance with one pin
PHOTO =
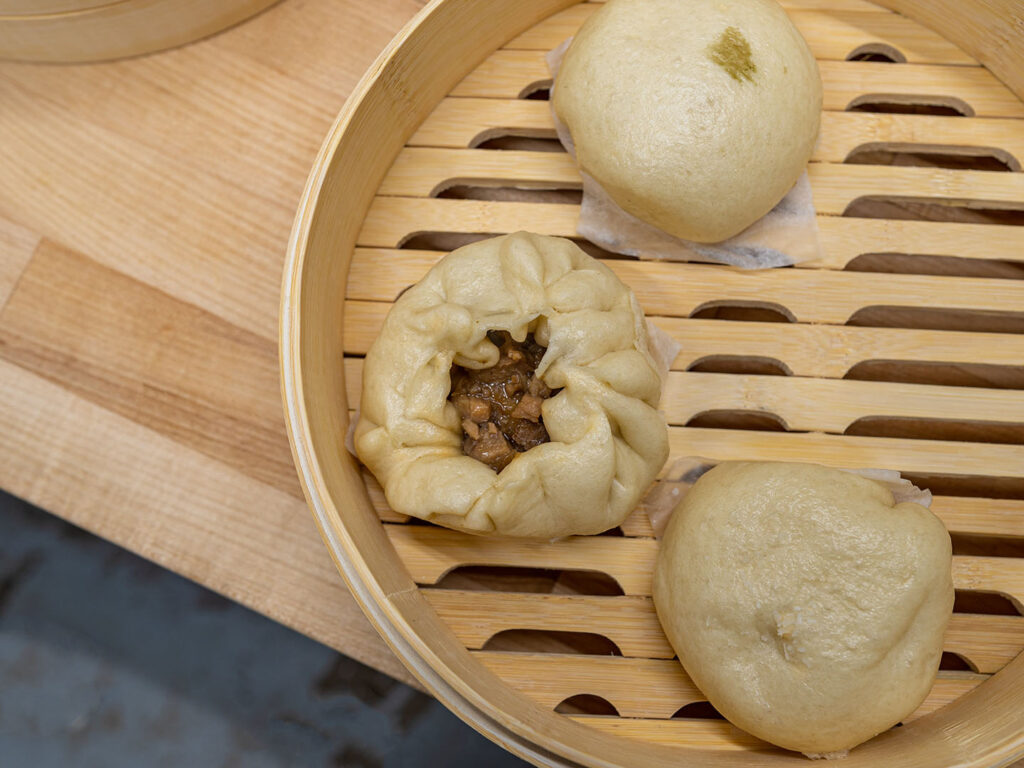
(145, 206)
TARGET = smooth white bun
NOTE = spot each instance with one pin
(696, 117)
(805, 604)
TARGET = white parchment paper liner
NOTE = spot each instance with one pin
(784, 236)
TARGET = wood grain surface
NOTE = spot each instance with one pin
(145, 206)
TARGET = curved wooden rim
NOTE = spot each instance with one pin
(117, 28)
(356, 540)
(102, 5)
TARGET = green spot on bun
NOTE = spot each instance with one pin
(732, 53)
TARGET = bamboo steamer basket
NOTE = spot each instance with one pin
(890, 358)
(66, 31)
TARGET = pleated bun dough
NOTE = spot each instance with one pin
(806, 606)
(607, 439)
(696, 117)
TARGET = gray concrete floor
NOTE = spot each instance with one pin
(107, 660)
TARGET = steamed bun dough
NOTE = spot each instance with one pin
(607, 439)
(806, 606)
(696, 117)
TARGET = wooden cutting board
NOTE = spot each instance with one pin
(145, 206)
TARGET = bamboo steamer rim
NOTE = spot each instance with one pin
(76, 31)
(391, 600)
(35, 8)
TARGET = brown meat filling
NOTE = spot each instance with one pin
(500, 406)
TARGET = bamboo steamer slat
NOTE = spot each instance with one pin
(803, 404)
(426, 172)
(842, 239)
(822, 296)
(510, 74)
(804, 350)
(467, 122)
(487, 624)
(831, 34)
(630, 622)
(65, 31)
(431, 553)
(652, 688)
